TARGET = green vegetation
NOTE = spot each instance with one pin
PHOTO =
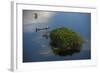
(64, 41)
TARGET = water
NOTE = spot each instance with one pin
(36, 47)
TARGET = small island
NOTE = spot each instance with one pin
(65, 41)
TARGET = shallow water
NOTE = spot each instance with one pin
(36, 47)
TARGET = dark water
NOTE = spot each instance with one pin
(36, 47)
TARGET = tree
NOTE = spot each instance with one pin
(65, 41)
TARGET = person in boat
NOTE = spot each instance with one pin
(35, 15)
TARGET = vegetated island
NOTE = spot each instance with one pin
(65, 41)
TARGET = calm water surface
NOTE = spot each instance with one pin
(36, 47)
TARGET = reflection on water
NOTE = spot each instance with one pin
(37, 48)
(65, 52)
(36, 45)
